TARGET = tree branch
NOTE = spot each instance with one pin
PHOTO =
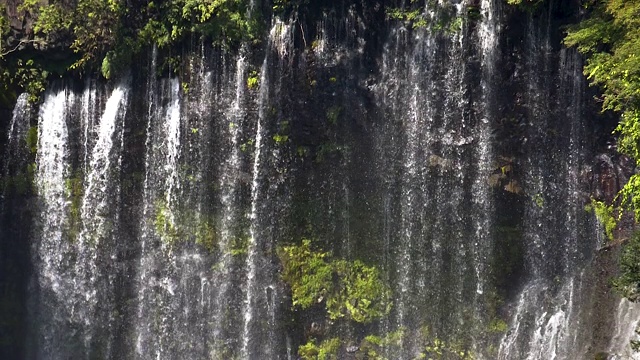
(17, 47)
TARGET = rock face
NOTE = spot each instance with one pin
(20, 22)
(457, 157)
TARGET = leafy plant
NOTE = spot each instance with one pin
(628, 282)
(165, 223)
(605, 215)
(253, 80)
(326, 350)
(444, 19)
(342, 290)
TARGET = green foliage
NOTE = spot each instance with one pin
(539, 200)
(361, 294)
(628, 282)
(96, 26)
(108, 33)
(4, 29)
(527, 3)
(307, 272)
(253, 80)
(222, 21)
(372, 346)
(22, 74)
(180, 225)
(414, 17)
(605, 215)
(439, 349)
(285, 6)
(348, 289)
(17, 72)
(326, 350)
(247, 145)
(498, 326)
(610, 40)
(444, 19)
(32, 140)
(240, 246)
(205, 234)
(164, 223)
(107, 68)
(280, 139)
(629, 130)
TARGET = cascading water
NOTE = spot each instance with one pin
(74, 279)
(444, 153)
(627, 322)
(51, 249)
(546, 320)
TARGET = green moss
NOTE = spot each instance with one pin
(497, 326)
(205, 235)
(538, 200)
(307, 272)
(526, 4)
(240, 246)
(363, 296)
(164, 223)
(373, 347)
(414, 17)
(253, 81)
(443, 20)
(326, 350)
(439, 349)
(247, 145)
(333, 113)
(280, 139)
(174, 226)
(32, 140)
(302, 151)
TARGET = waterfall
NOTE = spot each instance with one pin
(627, 322)
(75, 223)
(52, 251)
(252, 260)
(16, 149)
(229, 182)
(260, 338)
(452, 149)
(546, 320)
